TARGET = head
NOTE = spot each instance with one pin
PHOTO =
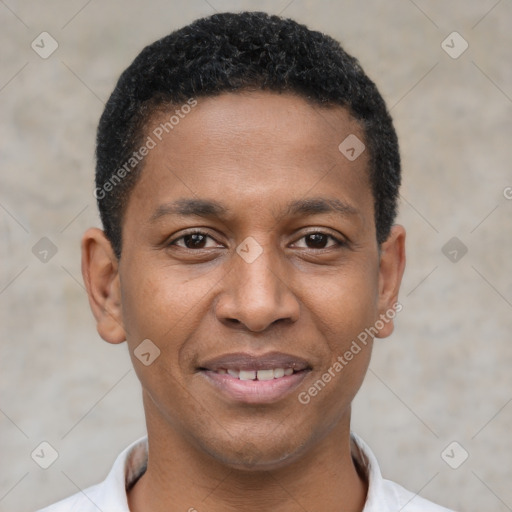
(247, 179)
(231, 53)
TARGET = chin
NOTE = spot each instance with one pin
(256, 455)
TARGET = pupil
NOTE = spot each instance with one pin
(196, 239)
(317, 237)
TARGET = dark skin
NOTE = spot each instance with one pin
(305, 295)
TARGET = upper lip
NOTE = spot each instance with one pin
(246, 361)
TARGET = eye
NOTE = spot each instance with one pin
(193, 240)
(198, 240)
(318, 239)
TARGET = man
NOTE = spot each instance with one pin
(247, 179)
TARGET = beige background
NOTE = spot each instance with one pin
(443, 376)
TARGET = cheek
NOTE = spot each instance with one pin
(155, 300)
(346, 304)
(140, 300)
(165, 306)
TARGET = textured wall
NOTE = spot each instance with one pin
(443, 376)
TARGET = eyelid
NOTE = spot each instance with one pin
(192, 231)
(340, 241)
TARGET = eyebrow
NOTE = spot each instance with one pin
(212, 209)
(191, 207)
(316, 205)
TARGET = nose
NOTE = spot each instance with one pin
(257, 294)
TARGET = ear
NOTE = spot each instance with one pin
(101, 278)
(391, 270)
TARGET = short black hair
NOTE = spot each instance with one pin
(229, 52)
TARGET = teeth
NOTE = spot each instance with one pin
(268, 374)
(247, 375)
(278, 373)
(265, 374)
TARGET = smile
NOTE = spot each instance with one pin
(255, 379)
(275, 373)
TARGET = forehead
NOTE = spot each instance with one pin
(252, 149)
(254, 118)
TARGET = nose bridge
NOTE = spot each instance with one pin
(258, 267)
(255, 293)
(255, 269)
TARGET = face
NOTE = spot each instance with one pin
(250, 261)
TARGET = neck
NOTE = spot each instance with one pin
(182, 477)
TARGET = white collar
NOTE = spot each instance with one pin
(111, 494)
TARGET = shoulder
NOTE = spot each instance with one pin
(385, 495)
(407, 501)
(109, 495)
(83, 501)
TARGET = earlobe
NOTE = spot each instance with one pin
(101, 278)
(391, 270)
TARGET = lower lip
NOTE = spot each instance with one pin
(255, 391)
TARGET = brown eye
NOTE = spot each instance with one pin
(318, 240)
(195, 240)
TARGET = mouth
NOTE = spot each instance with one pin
(266, 374)
(254, 379)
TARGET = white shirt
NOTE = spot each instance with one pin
(110, 495)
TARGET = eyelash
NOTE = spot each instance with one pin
(339, 243)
